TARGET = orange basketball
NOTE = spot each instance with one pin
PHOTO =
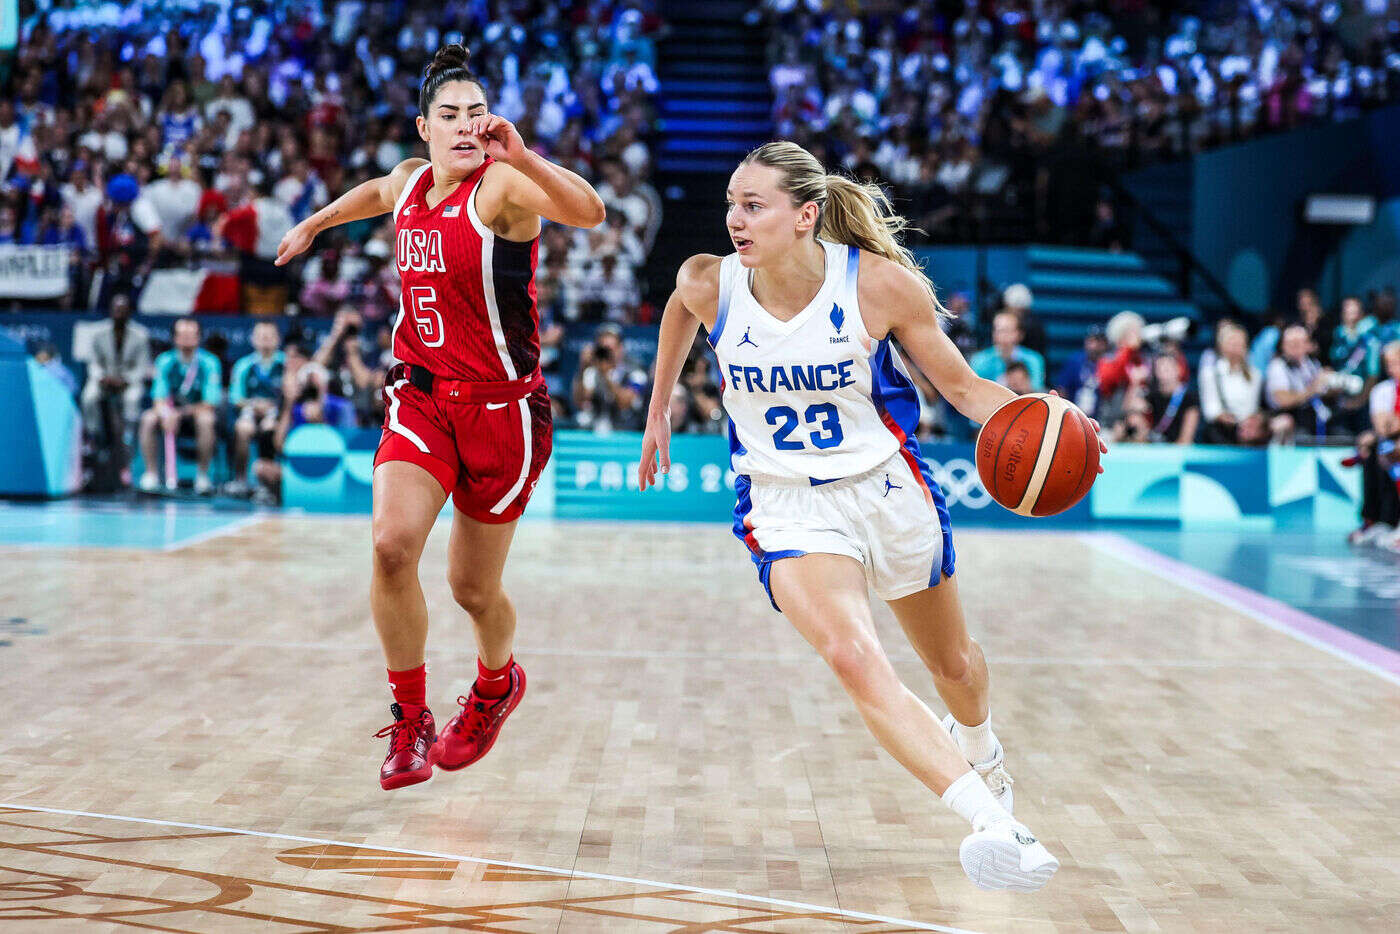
(1038, 455)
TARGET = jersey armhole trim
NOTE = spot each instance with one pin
(726, 289)
(409, 188)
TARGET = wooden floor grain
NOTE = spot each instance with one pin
(1193, 769)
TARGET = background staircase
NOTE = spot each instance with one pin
(715, 107)
(1075, 288)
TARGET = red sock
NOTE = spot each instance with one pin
(493, 682)
(410, 689)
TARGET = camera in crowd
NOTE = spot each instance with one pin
(1176, 330)
(1348, 384)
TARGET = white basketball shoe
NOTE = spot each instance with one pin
(1006, 855)
(993, 771)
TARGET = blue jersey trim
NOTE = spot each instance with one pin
(721, 309)
(852, 267)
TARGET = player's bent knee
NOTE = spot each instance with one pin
(395, 551)
(472, 595)
(857, 662)
(955, 667)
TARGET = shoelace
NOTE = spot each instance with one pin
(402, 734)
(997, 779)
(474, 710)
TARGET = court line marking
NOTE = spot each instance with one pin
(231, 528)
(798, 657)
(1278, 616)
(563, 873)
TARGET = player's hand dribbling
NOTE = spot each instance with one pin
(295, 242)
(499, 138)
(655, 441)
(1098, 431)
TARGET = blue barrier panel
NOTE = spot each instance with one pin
(40, 426)
(594, 477)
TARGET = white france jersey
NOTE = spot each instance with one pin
(812, 398)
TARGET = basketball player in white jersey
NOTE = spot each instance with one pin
(833, 494)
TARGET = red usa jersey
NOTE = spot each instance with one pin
(467, 310)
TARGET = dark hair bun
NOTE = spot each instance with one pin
(449, 57)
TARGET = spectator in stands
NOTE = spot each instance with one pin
(1174, 406)
(118, 362)
(1354, 352)
(956, 323)
(1230, 390)
(637, 202)
(318, 403)
(610, 288)
(342, 358)
(1017, 378)
(1123, 371)
(991, 362)
(174, 198)
(1311, 316)
(254, 391)
(608, 392)
(1295, 385)
(188, 386)
(1017, 299)
(1380, 461)
(1079, 378)
(128, 237)
(254, 229)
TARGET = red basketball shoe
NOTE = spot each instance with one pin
(471, 733)
(409, 744)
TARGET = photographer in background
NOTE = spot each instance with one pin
(342, 357)
(1355, 352)
(1295, 385)
(608, 391)
(1377, 452)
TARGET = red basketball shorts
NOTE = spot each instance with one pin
(487, 457)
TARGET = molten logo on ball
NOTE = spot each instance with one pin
(1013, 459)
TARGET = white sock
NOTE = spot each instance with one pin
(970, 798)
(978, 743)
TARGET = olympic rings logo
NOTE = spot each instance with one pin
(960, 482)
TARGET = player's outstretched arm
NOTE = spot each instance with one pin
(692, 302)
(367, 199)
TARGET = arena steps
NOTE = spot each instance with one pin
(715, 107)
(1077, 288)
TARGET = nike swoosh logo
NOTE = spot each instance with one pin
(497, 405)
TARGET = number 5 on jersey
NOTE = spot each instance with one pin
(422, 298)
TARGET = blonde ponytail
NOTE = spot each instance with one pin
(848, 211)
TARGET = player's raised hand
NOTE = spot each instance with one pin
(295, 242)
(656, 442)
(499, 138)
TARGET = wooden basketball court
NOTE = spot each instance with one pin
(187, 747)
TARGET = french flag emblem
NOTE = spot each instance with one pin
(451, 210)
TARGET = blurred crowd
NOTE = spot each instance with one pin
(171, 146)
(967, 109)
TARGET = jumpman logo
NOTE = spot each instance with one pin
(890, 486)
(746, 340)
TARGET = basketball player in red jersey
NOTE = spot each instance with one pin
(466, 412)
